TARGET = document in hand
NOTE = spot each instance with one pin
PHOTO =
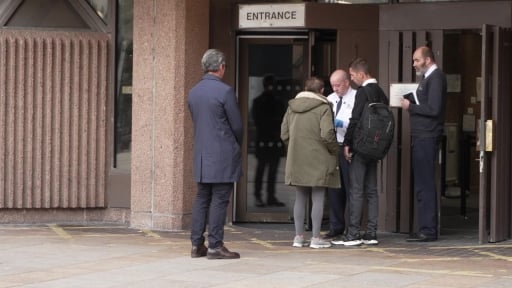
(411, 96)
(398, 91)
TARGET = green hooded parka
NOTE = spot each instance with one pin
(312, 150)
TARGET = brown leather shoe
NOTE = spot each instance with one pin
(222, 253)
(198, 251)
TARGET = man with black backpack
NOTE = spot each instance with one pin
(363, 168)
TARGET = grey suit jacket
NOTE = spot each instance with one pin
(218, 131)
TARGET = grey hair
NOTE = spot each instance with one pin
(212, 59)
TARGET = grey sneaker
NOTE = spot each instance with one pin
(317, 242)
(370, 239)
(298, 241)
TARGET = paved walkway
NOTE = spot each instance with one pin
(70, 256)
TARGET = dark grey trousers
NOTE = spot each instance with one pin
(211, 202)
(424, 155)
(363, 183)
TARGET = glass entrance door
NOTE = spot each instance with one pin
(271, 71)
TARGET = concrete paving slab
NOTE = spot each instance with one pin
(113, 256)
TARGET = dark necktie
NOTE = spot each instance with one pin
(338, 106)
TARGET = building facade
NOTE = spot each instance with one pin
(95, 125)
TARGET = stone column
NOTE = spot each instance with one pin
(169, 40)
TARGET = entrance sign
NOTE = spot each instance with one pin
(275, 15)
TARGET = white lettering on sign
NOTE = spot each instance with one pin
(276, 15)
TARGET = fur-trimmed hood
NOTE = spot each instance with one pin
(306, 100)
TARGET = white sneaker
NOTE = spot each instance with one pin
(344, 240)
(317, 242)
(371, 242)
(355, 242)
(298, 241)
(370, 239)
(340, 240)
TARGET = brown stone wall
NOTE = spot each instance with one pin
(169, 40)
(53, 95)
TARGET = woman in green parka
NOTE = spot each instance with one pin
(312, 156)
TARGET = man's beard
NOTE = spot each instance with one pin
(422, 69)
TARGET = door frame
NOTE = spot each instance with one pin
(494, 136)
(241, 212)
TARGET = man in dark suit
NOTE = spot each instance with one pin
(218, 135)
(427, 123)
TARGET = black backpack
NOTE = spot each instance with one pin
(374, 132)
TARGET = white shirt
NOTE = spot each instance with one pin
(368, 81)
(345, 112)
(430, 70)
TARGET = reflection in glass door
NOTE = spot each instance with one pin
(271, 71)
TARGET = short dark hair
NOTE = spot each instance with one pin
(360, 65)
(314, 84)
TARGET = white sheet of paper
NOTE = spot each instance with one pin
(398, 90)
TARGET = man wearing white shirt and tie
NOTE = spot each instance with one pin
(342, 100)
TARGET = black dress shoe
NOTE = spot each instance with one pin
(198, 251)
(420, 237)
(221, 253)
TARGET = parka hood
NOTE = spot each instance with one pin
(305, 101)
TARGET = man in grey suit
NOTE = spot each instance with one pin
(218, 135)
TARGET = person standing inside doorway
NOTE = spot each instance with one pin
(342, 100)
(312, 157)
(427, 124)
(218, 135)
(267, 112)
(363, 171)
